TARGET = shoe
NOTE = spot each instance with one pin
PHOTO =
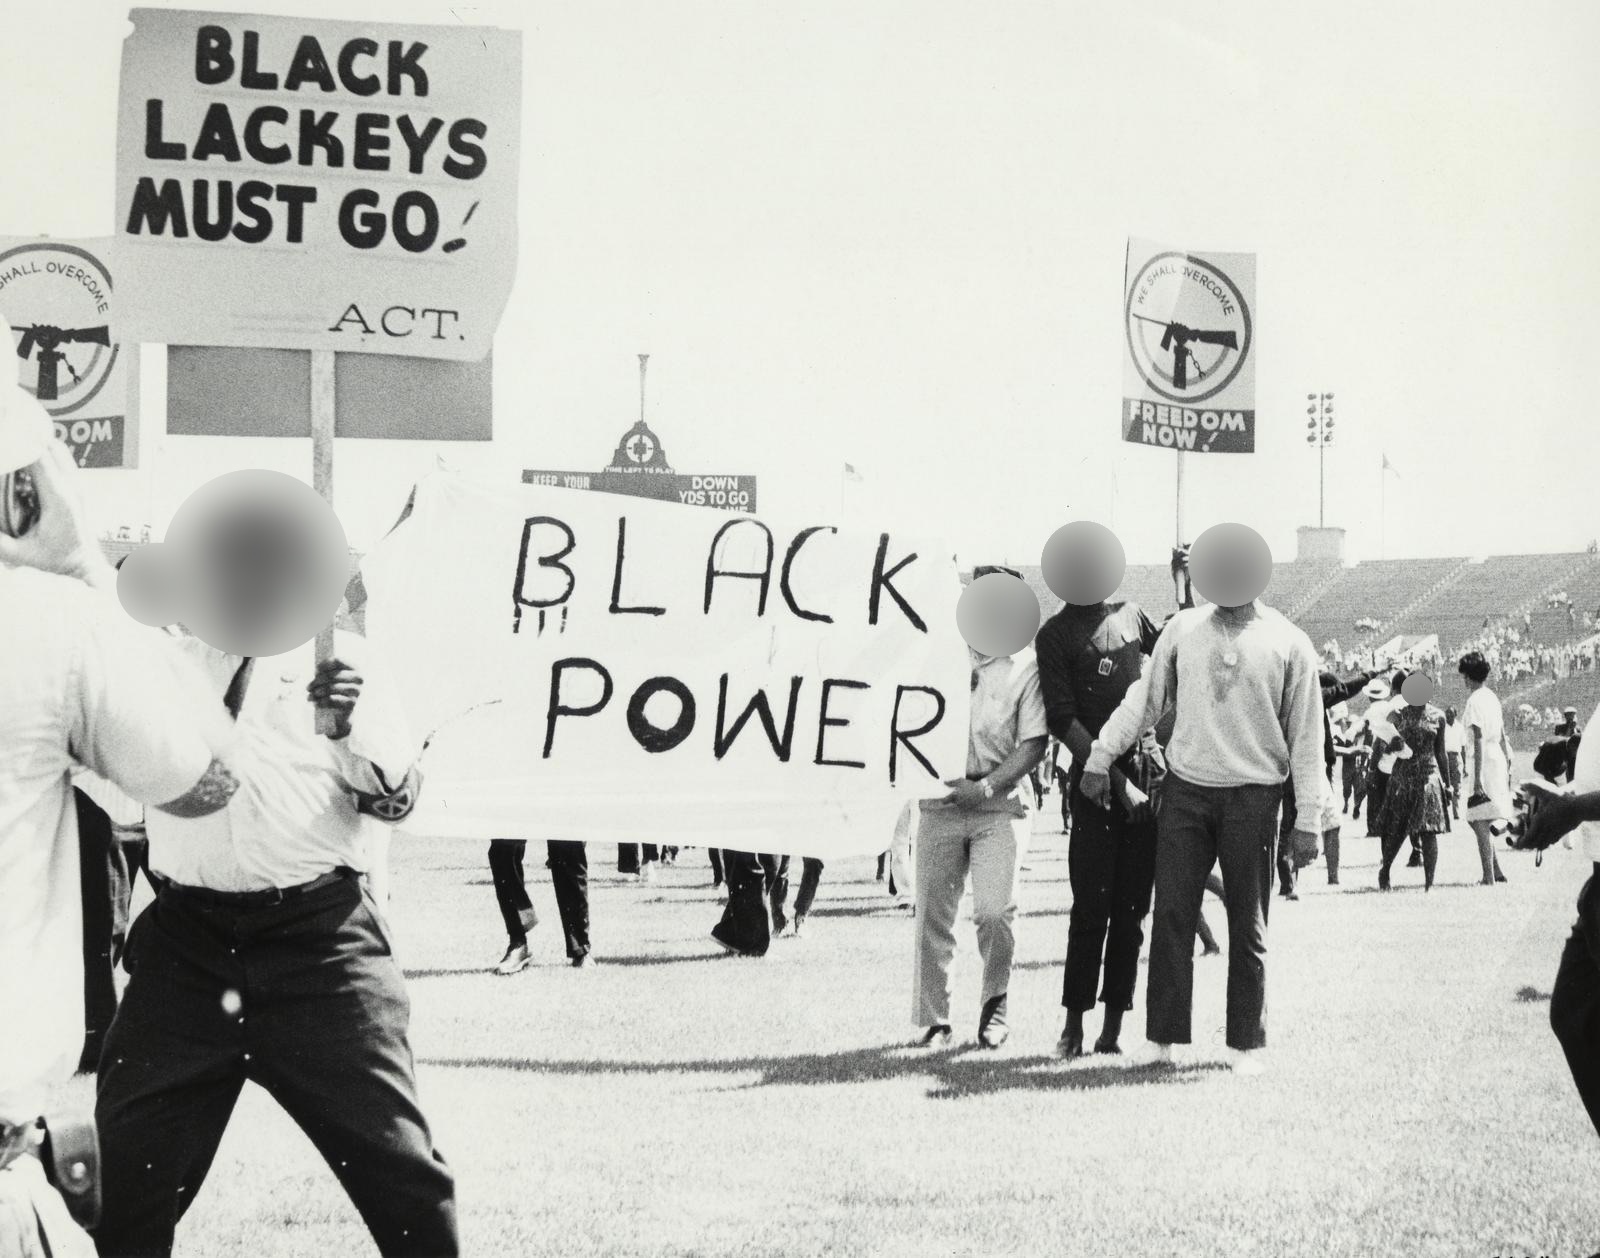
(584, 961)
(1291, 895)
(780, 923)
(1333, 880)
(1383, 880)
(517, 959)
(1157, 1057)
(992, 1028)
(1499, 877)
(799, 921)
(1070, 1045)
(1414, 861)
(1249, 1064)
(936, 1036)
(1109, 1048)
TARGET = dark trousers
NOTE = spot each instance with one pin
(810, 877)
(715, 854)
(1377, 787)
(1203, 927)
(569, 876)
(321, 1026)
(511, 888)
(102, 883)
(755, 882)
(568, 861)
(1112, 865)
(1200, 826)
(1575, 999)
(628, 857)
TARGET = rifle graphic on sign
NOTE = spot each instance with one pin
(1176, 338)
(48, 340)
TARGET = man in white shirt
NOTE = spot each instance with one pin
(982, 828)
(1455, 745)
(1242, 683)
(81, 684)
(266, 958)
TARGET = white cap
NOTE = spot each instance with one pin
(25, 427)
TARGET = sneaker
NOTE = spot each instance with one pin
(517, 959)
(1157, 1057)
(992, 1028)
(937, 1036)
(1249, 1064)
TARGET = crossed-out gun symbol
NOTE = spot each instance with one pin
(1176, 338)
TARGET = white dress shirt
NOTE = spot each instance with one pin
(294, 817)
(80, 684)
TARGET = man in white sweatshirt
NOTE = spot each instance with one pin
(1247, 716)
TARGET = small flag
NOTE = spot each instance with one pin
(851, 475)
(1390, 467)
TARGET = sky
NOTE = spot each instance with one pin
(892, 234)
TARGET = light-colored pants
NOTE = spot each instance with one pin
(900, 852)
(950, 844)
(34, 1222)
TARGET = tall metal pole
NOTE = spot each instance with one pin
(1322, 484)
(644, 359)
(1178, 541)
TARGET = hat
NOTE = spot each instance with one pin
(1569, 711)
(25, 428)
(1377, 689)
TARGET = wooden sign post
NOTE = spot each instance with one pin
(323, 412)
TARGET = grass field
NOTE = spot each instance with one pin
(674, 1101)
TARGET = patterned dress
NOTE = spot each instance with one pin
(1414, 802)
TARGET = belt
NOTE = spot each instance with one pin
(254, 899)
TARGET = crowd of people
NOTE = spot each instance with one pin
(1200, 755)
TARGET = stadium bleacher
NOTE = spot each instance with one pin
(1449, 597)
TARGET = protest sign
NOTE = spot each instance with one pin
(639, 469)
(589, 666)
(66, 334)
(1188, 360)
(306, 184)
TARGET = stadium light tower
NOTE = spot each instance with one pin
(1319, 433)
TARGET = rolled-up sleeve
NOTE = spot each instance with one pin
(1031, 719)
(141, 717)
(1055, 679)
(1303, 724)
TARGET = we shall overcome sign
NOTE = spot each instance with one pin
(298, 184)
(594, 667)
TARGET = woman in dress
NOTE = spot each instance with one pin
(1413, 804)
(1488, 752)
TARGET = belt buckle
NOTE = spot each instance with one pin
(275, 897)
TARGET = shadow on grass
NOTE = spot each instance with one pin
(955, 1073)
(658, 959)
(1531, 995)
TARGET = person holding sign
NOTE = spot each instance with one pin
(982, 827)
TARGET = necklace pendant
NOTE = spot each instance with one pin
(1231, 658)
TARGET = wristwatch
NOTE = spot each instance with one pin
(988, 788)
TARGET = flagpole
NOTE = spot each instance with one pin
(1383, 505)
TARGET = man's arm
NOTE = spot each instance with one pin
(1302, 729)
(1347, 689)
(210, 794)
(377, 757)
(140, 715)
(1559, 815)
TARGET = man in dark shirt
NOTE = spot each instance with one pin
(1088, 657)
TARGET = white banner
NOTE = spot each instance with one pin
(625, 670)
